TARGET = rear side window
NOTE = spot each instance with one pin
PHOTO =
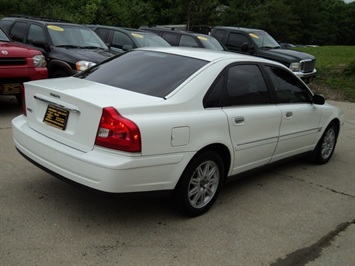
(152, 73)
(171, 38)
(219, 35)
(18, 31)
(246, 85)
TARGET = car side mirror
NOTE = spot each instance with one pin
(318, 99)
(127, 47)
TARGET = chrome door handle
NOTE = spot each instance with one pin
(239, 120)
(289, 114)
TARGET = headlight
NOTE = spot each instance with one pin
(295, 67)
(83, 65)
(39, 61)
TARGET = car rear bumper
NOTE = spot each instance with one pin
(99, 168)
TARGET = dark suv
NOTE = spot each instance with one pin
(125, 39)
(184, 38)
(18, 64)
(67, 47)
(260, 43)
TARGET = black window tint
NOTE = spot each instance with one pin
(171, 38)
(36, 35)
(18, 31)
(287, 87)
(246, 85)
(213, 96)
(236, 40)
(146, 72)
(219, 35)
(104, 34)
(5, 25)
(188, 41)
(120, 39)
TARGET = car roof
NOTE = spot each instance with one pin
(206, 54)
(237, 28)
(123, 29)
(42, 20)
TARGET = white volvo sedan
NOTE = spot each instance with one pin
(173, 120)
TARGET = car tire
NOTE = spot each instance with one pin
(326, 145)
(199, 185)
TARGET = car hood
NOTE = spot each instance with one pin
(11, 49)
(73, 55)
(287, 54)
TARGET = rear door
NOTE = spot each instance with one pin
(254, 121)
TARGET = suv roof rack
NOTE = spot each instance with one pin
(40, 18)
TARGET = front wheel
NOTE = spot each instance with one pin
(200, 184)
(326, 145)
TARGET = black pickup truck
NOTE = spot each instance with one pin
(259, 43)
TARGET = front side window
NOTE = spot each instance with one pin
(121, 39)
(288, 88)
(36, 35)
(236, 41)
(152, 73)
(188, 41)
(246, 86)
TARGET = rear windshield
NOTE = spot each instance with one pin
(152, 73)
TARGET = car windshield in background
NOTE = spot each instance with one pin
(74, 37)
(3, 37)
(147, 72)
(263, 40)
(149, 40)
(210, 43)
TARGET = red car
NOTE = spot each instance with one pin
(18, 64)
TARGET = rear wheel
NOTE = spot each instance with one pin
(200, 184)
(326, 145)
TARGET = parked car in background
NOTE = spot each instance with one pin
(186, 39)
(259, 43)
(68, 48)
(174, 120)
(18, 64)
(125, 39)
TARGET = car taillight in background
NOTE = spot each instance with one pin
(117, 132)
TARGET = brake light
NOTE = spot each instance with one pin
(23, 101)
(117, 132)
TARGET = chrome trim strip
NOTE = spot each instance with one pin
(68, 107)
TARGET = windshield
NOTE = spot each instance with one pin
(210, 43)
(74, 36)
(263, 40)
(149, 40)
(3, 37)
(147, 72)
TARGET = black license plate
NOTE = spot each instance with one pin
(56, 117)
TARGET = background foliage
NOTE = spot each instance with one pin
(330, 22)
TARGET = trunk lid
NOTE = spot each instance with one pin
(69, 110)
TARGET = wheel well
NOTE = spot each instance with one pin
(222, 151)
(337, 123)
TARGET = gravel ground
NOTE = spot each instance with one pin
(329, 94)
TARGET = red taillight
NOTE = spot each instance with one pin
(117, 132)
(23, 101)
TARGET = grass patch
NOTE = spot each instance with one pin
(336, 68)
